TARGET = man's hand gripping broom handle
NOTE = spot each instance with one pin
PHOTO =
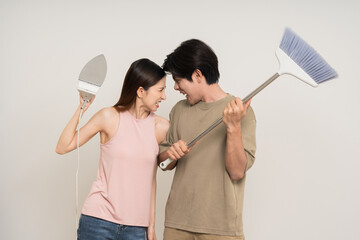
(164, 164)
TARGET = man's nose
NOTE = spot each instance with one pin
(176, 86)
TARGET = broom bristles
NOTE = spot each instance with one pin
(306, 57)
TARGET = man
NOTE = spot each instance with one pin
(206, 197)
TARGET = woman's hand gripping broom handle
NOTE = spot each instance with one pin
(164, 164)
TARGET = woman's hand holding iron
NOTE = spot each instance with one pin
(87, 104)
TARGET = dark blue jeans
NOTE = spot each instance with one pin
(91, 228)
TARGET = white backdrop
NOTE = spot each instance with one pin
(305, 182)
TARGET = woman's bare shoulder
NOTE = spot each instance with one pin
(162, 122)
(161, 128)
(106, 116)
(106, 113)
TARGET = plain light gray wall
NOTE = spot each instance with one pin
(305, 182)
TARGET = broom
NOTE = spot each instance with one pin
(296, 58)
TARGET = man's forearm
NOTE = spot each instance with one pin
(162, 157)
(235, 156)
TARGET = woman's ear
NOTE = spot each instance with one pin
(140, 92)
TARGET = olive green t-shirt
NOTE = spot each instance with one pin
(203, 198)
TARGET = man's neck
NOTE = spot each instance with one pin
(213, 93)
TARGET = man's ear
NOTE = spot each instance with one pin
(140, 92)
(198, 76)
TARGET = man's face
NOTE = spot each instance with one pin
(191, 90)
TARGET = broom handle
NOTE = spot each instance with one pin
(245, 100)
(165, 163)
(261, 87)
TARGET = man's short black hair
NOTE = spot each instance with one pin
(191, 55)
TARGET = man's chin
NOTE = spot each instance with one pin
(191, 102)
(188, 100)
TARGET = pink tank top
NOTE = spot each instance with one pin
(122, 190)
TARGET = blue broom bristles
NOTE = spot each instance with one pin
(306, 57)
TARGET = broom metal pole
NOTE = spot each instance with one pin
(261, 87)
(245, 100)
(165, 163)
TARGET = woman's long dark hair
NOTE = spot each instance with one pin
(142, 73)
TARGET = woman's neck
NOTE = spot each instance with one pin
(138, 112)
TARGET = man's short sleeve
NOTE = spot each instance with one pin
(249, 137)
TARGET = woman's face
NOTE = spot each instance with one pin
(154, 95)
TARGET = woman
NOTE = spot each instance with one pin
(121, 203)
